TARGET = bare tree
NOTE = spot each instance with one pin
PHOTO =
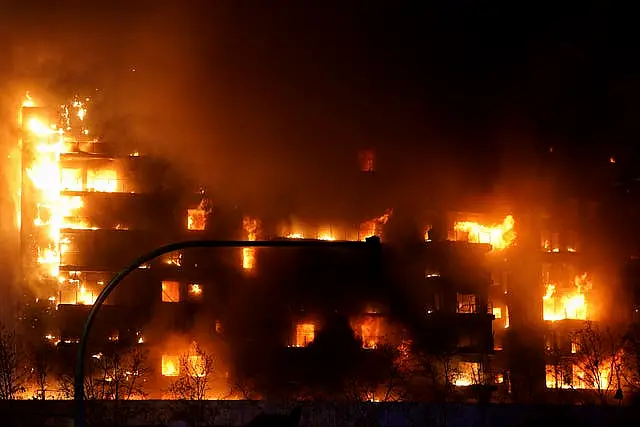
(598, 361)
(12, 371)
(118, 374)
(440, 371)
(42, 356)
(630, 368)
(197, 372)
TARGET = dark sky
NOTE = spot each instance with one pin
(264, 100)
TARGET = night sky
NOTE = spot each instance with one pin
(267, 100)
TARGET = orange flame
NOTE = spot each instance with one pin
(250, 226)
(571, 304)
(499, 236)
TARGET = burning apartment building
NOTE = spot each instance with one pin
(460, 287)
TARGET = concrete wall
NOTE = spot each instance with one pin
(237, 413)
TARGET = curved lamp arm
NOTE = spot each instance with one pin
(113, 283)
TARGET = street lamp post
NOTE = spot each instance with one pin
(113, 283)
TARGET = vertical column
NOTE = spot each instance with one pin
(40, 201)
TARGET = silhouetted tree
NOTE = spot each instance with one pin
(118, 373)
(12, 373)
(598, 359)
(631, 359)
(197, 372)
(41, 359)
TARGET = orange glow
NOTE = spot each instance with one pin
(197, 218)
(170, 291)
(250, 226)
(305, 334)
(326, 233)
(102, 180)
(43, 171)
(499, 236)
(373, 227)
(556, 378)
(195, 290)
(567, 304)
(43, 143)
(198, 366)
(170, 366)
(467, 374)
(173, 258)
(370, 331)
(86, 297)
(332, 232)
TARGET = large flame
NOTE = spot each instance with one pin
(499, 236)
(170, 365)
(567, 304)
(55, 210)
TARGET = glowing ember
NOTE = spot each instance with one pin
(499, 236)
(569, 304)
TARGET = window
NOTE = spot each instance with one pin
(370, 331)
(305, 334)
(71, 179)
(195, 291)
(102, 180)
(367, 160)
(574, 347)
(170, 366)
(497, 312)
(170, 291)
(466, 303)
(173, 258)
(196, 219)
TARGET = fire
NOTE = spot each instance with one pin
(373, 227)
(326, 233)
(197, 218)
(579, 379)
(466, 374)
(170, 366)
(250, 226)
(499, 236)
(332, 232)
(305, 334)
(44, 142)
(43, 171)
(85, 297)
(370, 331)
(570, 304)
(102, 180)
(195, 290)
